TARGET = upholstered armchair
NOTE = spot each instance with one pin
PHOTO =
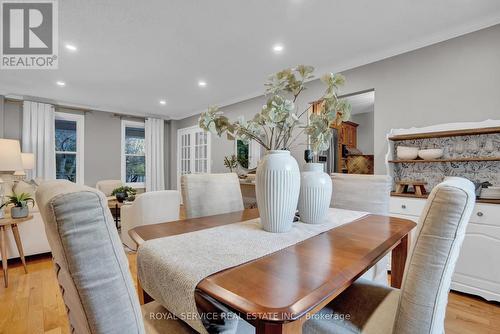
(370, 193)
(149, 208)
(420, 306)
(91, 265)
(107, 186)
(211, 194)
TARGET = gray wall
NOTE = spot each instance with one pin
(2, 101)
(102, 140)
(102, 147)
(365, 135)
(453, 81)
(13, 122)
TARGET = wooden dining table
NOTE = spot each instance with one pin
(278, 292)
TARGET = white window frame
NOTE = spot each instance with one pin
(130, 124)
(191, 131)
(80, 140)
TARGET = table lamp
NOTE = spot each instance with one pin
(28, 161)
(10, 160)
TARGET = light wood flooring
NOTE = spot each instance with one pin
(32, 304)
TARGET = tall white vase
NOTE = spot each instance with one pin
(315, 194)
(277, 190)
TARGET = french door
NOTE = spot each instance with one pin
(193, 152)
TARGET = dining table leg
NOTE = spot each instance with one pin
(398, 261)
(267, 327)
(144, 298)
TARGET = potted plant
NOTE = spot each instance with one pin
(124, 193)
(277, 128)
(20, 202)
(231, 162)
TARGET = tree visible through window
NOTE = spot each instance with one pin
(242, 151)
(135, 160)
(66, 149)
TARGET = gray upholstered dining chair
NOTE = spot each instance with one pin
(420, 306)
(211, 194)
(91, 265)
(370, 193)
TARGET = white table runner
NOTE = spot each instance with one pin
(170, 268)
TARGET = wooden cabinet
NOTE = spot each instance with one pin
(477, 271)
(349, 134)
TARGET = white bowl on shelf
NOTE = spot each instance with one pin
(430, 154)
(407, 152)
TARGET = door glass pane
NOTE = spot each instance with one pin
(66, 166)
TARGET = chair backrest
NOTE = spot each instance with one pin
(370, 193)
(211, 194)
(157, 206)
(439, 237)
(107, 186)
(90, 262)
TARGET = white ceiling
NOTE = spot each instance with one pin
(133, 53)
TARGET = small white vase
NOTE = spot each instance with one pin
(277, 189)
(315, 194)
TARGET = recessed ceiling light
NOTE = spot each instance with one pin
(71, 47)
(278, 48)
(202, 83)
(61, 83)
(163, 102)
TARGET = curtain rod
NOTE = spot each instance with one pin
(56, 105)
(87, 110)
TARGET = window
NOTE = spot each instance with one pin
(242, 153)
(133, 154)
(248, 154)
(69, 146)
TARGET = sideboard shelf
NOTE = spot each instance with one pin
(451, 133)
(447, 160)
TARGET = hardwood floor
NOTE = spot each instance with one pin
(32, 304)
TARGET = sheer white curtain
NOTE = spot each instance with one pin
(154, 133)
(39, 138)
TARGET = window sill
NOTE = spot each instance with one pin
(136, 185)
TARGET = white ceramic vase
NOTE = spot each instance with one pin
(315, 194)
(277, 190)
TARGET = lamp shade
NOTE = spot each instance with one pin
(28, 160)
(10, 155)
